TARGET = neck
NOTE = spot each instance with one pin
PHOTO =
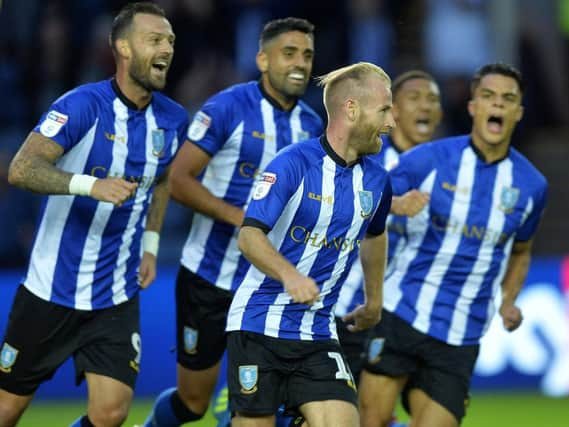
(285, 102)
(491, 152)
(339, 140)
(133, 91)
(401, 142)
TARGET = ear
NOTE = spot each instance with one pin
(395, 112)
(262, 61)
(352, 109)
(123, 48)
(471, 107)
(520, 113)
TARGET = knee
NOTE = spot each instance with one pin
(195, 400)
(109, 416)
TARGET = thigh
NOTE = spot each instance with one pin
(320, 374)
(201, 314)
(39, 337)
(445, 375)
(391, 349)
(354, 346)
(254, 375)
(110, 343)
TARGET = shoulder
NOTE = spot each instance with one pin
(531, 175)
(166, 105)
(302, 155)
(309, 112)
(235, 93)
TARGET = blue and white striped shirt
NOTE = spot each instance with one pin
(317, 210)
(352, 293)
(86, 253)
(242, 129)
(448, 273)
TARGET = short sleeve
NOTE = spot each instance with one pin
(377, 223)
(69, 118)
(273, 189)
(413, 167)
(209, 127)
(529, 227)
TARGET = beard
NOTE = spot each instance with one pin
(286, 89)
(140, 74)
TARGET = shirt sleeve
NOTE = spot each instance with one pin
(529, 227)
(209, 127)
(377, 223)
(68, 119)
(272, 191)
(413, 167)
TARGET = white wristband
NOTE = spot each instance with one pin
(81, 185)
(150, 240)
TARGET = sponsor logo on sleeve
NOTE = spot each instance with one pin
(199, 126)
(53, 122)
(263, 185)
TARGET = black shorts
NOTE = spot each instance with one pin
(201, 314)
(441, 370)
(265, 372)
(41, 335)
(354, 345)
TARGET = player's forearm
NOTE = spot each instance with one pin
(157, 208)
(260, 252)
(373, 255)
(515, 276)
(191, 193)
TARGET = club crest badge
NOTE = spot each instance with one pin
(508, 198)
(374, 350)
(248, 377)
(190, 340)
(158, 142)
(366, 203)
(302, 135)
(8, 357)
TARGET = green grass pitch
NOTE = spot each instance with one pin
(486, 410)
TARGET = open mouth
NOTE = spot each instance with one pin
(160, 66)
(423, 125)
(297, 76)
(495, 124)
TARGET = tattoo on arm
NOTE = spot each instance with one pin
(33, 167)
(158, 205)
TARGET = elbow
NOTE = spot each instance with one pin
(174, 187)
(15, 177)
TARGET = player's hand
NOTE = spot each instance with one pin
(363, 317)
(511, 316)
(410, 203)
(147, 272)
(302, 289)
(114, 190)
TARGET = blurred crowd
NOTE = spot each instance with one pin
(49, 46)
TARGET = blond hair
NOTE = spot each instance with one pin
(356, 74)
